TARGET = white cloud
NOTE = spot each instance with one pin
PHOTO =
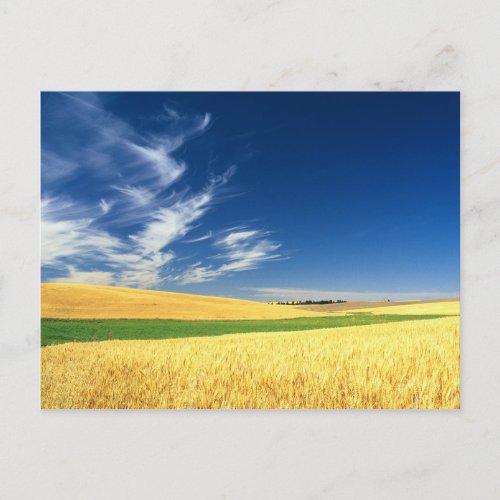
(55, 168)
(167, 168)
(88, 277)
(145, 272)
(123, 221)
(75, 238)
(139, 260)
(67, 244)
(173, 222)
(131, 166)
(233, 238)
(197, 273)
(311, 294)
(138, 195)
(242, 251)
(200, 238)
(105, 206)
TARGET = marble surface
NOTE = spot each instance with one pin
(242, 45)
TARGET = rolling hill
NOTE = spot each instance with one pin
(74, 301)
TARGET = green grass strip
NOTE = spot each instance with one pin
(57, 331)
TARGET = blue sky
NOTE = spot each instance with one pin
(259, 195)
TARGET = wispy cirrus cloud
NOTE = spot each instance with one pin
(105, 206)
(204, 237)
(138, 195)
(241, 250)
(109, 210)
(88, 277)
(67, 235)
(159, 157)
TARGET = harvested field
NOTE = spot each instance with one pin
(348, 306)
(451, 308)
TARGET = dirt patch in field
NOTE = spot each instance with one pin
(347, 306)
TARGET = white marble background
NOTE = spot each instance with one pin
(247, 45)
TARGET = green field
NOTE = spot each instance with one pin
(57, 331)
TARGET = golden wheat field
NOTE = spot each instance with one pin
(74, 301)
(413, 364)
(450, 308)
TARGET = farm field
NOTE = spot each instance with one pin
(256, 356)
(355, 305)
(61, 331)
(74, 301)
(447, 308)
(409, 364)
(250, 250)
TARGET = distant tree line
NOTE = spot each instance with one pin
(309, 302)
